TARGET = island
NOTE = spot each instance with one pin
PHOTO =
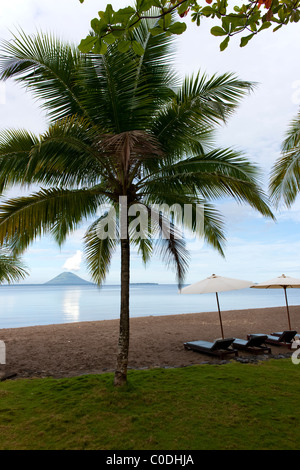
(144, 284)
(68, 279)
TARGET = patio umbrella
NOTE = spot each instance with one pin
(215, 284)
(280, 282)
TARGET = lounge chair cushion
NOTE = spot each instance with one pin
(253, 341)
(242, 342)
(285, 336)
(218, 344)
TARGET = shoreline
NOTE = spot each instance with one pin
(208, 312)
(70, 349)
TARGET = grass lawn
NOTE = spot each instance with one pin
(231, 406)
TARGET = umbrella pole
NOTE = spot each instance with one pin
(220, 315)
(287, 308)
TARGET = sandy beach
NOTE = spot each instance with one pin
(72, 349)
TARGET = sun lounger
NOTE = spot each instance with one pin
(254, 345)
(279, 333)
(285, 338)
(220, 348)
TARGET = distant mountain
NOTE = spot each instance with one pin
(67, 279)
(144, 284)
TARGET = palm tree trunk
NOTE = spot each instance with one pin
(123, 345)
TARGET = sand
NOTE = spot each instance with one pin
(73, 349)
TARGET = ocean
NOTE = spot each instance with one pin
(30, 305)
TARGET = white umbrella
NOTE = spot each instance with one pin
(280, 282)
(216, 284)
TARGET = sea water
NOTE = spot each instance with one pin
(29, 305)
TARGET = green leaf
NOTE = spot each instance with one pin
(138, 48)
(255, 17)
(207, 11)
(182, 8)
(245, 40)
(165, 22)
(177, 28)
(218, 31)
(109, 38)
(236, 21)
(226, 23)
(124, 46)
(123, 15)
(100, 47)
(144, 5)
(222, 7)
(281, 14)
(108, 14)
(96, 25)
(155, 31)
(224, 44)
(265, 25)
(117, 32)
(133, 23)
(87, 44)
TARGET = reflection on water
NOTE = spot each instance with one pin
(10, 302)
(71, 307)
(28, 305)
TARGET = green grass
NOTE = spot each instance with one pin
(231, 406)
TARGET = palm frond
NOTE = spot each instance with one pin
(47, 67)
(216, 97)
(213, 228)
(145, 249)
(111, 98)
(98, 251)
(285, 175)
(199, 105)
(292, 138)
(125, 89)
(170, 245)
(189, 213)
(66, 155)
(219, 173)
(115, 100)
(15, 148)
(157, 60)
(55, 211)
(12, 269)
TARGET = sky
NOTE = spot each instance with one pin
(257, 249)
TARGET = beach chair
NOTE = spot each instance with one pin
(254, 345)
(279, 333)
(284, 338)
(220, 347)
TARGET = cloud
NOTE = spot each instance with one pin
(73, 263)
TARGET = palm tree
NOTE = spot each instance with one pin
(11, 267)
(120, 125)
(285, 174)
